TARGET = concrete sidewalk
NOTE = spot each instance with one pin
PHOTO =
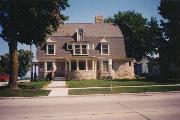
(58, 88)
(127, 86)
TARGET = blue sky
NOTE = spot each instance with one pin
(84, 11)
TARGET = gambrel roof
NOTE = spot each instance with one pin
(90, 29)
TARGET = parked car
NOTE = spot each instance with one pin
(4, 77)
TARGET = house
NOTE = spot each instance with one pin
(82, 51)
(141, 67)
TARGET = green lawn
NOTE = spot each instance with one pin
(26, 89)
(107, 83)
(123, 90)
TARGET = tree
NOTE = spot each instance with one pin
(3, 64)
(140, 35)
(24, 57)
(169, 10)
(133, 27)
(24, 62)
(28, 22)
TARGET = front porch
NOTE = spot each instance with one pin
(69, 69)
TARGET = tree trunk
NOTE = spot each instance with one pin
(13, 65)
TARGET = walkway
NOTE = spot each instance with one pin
(58, 88)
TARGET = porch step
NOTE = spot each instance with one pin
(59, 78)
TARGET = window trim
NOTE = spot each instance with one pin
(78, 34)
(68, 48)
(102, 49)
(47, 50)
(87, 45)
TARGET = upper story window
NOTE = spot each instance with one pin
(105, 49)
(81, 49)
(80, 34)
(69, 47)
(50, 49)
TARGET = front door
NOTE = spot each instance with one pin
(60, 69)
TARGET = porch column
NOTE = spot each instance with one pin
(92, 64)
(45, 69)
(95, 65)
(77, 64)
(54, 68)
(69, 65)
(86, 64)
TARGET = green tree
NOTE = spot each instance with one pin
(24, 57)
(4, 63)
(140, 35)
(169, 10)
(28, 22)
(133, 27)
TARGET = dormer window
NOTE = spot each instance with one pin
(80, 34)
(50, 49)
(105, 47)
(50, 46)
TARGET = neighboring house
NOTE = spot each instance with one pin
(154, 67)
(85, 51)
(141, 67)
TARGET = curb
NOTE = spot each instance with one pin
(69, 96)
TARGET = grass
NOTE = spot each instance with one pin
(26, 89)
(123, 82)
(123, 90)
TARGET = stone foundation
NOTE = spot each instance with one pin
(122, 70)
(81, 75)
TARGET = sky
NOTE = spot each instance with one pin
(84, 11)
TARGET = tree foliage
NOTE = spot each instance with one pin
(169, 10)
(28, 22)
(140, 35)
(24, 57)
(24, 62)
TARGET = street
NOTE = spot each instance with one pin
(156, 106)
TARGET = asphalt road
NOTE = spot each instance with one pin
(164, 106)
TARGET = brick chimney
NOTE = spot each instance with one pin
(99, 19)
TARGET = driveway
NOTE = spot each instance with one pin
(164, 106)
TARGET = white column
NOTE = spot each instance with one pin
(45, 69)
(110, 64)
(77, 64)
(54, 68)
(86, 65)
(95, 65)
(92, 64)
(69, 65)
(54, 65)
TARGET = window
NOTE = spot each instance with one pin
(84, 49)
(49, 66)
(105, 66)
(50, 49)
(105, 49)
(80, 34)
(80, 50)
(69, 47)
(77, 49)
(82, 65)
